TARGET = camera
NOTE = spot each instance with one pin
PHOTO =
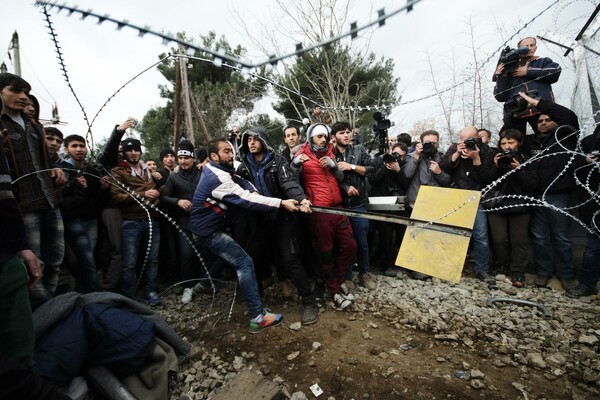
(518, 105)
(510, 58)
(471, 143)
(429, 150)
(380, 128)
(391, 158)
(506, 158)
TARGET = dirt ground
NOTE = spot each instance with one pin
(362, 356)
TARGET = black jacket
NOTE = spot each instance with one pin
(385, 182)
(464, 174)
(556, 171)
(180, 186)
(590, 176)
(356, 155)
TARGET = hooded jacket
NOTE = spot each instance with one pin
(272, 176)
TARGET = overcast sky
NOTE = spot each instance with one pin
(99, 59)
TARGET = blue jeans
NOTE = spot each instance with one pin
(481, 242)
(45, 235)
(551, 239)
(360, 229)
(589, 274)
(227, 249)
(77, 236)
(135, 241)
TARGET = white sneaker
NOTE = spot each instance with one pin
(340, 301)
(345, 292)
(187, 295)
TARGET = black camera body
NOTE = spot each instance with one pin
(429, 150)
(380, 128)
(471, 143)
(518, 105)
(391, 158)
(506, 158)
(510, 58)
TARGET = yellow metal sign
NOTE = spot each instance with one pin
(436, 253)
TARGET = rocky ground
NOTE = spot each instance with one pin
(407, 339)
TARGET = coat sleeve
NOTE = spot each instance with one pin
(168, 191)
(544, 70)
(411, 166)
(288, 181)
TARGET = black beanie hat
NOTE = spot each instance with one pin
(186, 148)
(166, 151)
(201, 154)
(131, 144)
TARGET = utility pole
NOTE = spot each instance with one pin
(14, 45)
(177, 106)
(185, 92)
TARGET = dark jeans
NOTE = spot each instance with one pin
(589, 274)
(360, 230)
(45, 235)
(78, 239)
(510, 237)
(551, 238)
(337, 247)
(278, 243)
(136, 237)
(227, 249)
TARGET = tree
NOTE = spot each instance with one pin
(337, 78)
(218, 91)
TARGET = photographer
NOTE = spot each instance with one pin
(422, 168)
(556, 135)
(509, 217)
(388, 181)
(469, 162)
(531, 74)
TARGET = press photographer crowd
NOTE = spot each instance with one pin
(124, 228)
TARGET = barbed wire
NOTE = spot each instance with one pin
(221, 55)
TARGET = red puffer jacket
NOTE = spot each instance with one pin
(320, 184)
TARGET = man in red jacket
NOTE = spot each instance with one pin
(320, 176)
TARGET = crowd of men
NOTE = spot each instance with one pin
(241, 204)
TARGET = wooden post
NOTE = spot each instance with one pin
(187, 108)
(200, 119)
(176, 107)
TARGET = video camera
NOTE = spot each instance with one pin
(506, 158)
(380, 129)
(510, 58)
(518, 105)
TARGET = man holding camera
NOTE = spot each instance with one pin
(523, 71)
(557, 134)
(469, 162)
(422, 168)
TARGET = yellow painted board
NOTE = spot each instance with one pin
(436, 253)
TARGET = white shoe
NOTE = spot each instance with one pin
(340, 301)
(345, 292)
(187, 295)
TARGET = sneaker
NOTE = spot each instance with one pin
(187, 295)
(177, 290)
(541, 281)
(310, 314)
(345, 292)
(287, 290)
(340, 301)
(199, 288)
(580, 291)
(367, 280)
(264, 321)
(568, 284)
(153, 299)
(518, 280)
(485, 277)
(349, 284)
(392, 272)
